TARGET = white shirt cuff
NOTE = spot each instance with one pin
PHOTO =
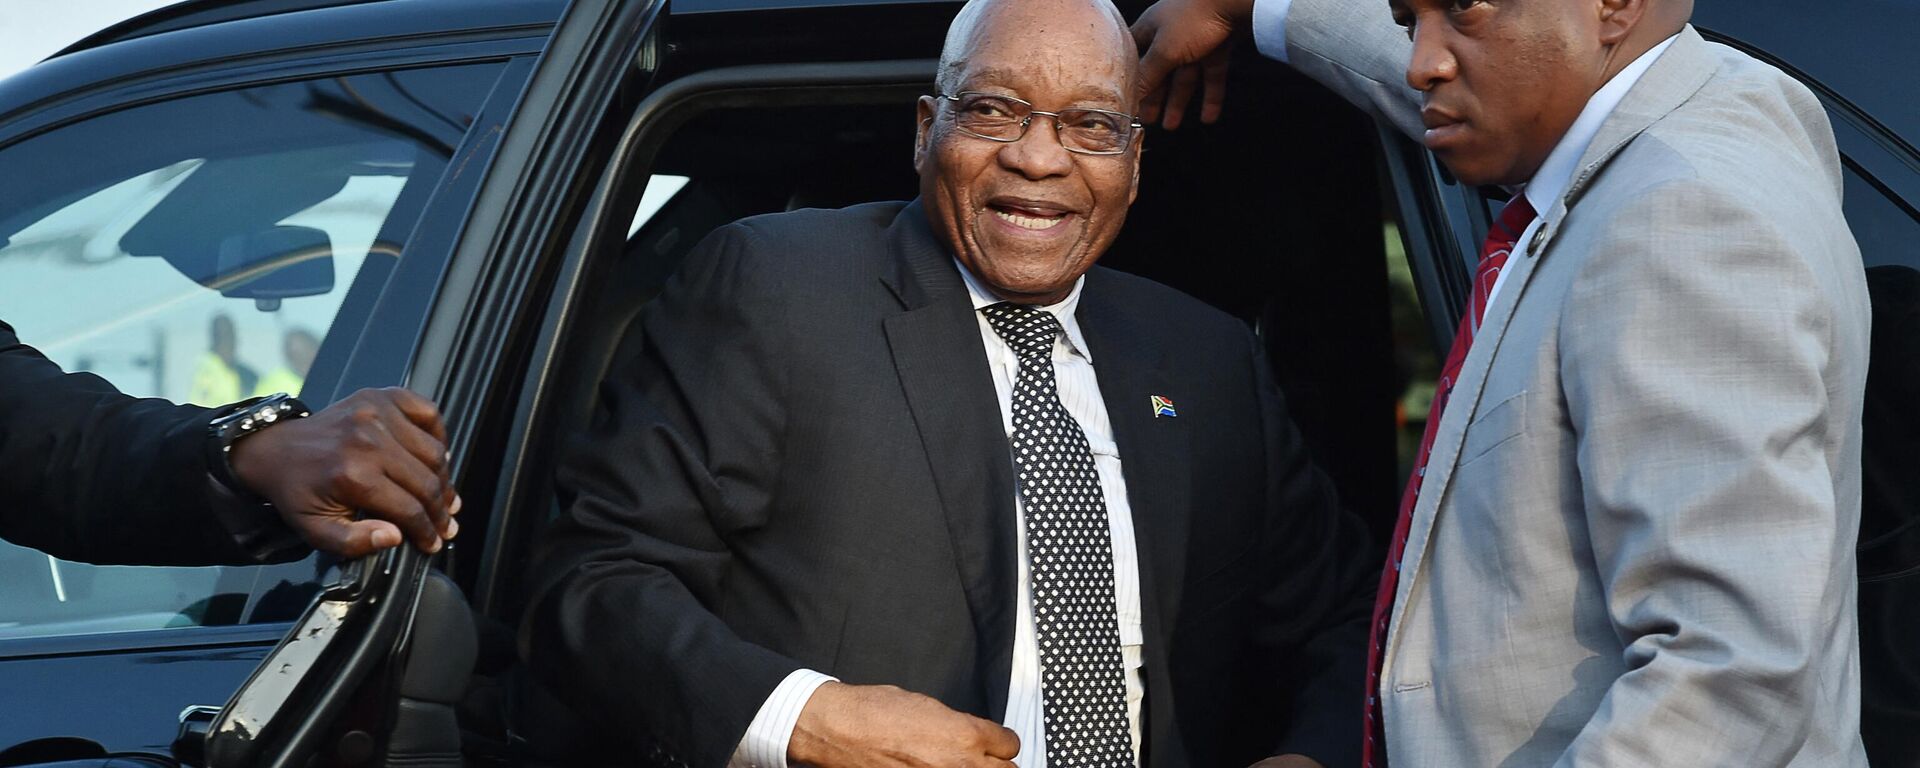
(1270, 27)
(765, 745)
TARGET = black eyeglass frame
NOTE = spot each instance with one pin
(1134, 126)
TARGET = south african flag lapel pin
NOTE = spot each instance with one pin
(1162, 406)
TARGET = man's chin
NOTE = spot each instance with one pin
(1028, 288)
(1479, 171)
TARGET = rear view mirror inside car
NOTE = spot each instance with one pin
(281, 262)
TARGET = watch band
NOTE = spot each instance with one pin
(241, 420)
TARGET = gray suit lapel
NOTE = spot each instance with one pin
(942, 366)
(1679, 73)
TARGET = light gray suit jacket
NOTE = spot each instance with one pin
(1634, 545)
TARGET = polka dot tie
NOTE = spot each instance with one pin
(1070, 556)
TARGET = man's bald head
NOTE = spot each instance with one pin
(1029, 210)
(978, 20)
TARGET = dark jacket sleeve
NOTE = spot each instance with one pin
(88, 473)
(1323, 575)
(681, 457)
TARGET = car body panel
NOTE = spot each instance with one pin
(133, 698)
(124, 698)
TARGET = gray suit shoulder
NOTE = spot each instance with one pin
(1752, 133)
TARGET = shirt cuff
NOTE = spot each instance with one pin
(1270, 27)
(765, 745)
(255, 526)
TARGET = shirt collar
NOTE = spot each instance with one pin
(1063, 311)
(1551, 181)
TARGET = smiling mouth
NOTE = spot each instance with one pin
(1029, 222)
(1029, 217)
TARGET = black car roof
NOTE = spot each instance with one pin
(1857, 50)
(198, 13)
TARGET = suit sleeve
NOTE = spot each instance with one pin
(1353, 48)
(1319, 594)
(683, 453)
(90, 474)
(1696, 388)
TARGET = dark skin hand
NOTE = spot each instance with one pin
(1185, 45)
(381, 452)
(880, 726)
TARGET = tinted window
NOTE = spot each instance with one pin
(1887, 232)
(1889, 237)
(209, 249)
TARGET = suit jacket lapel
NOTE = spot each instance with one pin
(943, 369)
(1459, 412)
(1131, 366)
(1674, 78)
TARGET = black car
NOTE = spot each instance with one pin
(474, 198)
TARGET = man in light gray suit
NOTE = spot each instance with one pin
(1632, 541)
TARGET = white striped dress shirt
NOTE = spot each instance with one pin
(765, 743)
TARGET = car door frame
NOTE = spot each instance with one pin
(539, 168)
(99, 82)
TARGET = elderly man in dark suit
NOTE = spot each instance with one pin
(918, 484)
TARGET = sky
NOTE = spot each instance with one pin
(31, 30)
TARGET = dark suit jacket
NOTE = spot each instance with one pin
(88, 473)
(805, 467)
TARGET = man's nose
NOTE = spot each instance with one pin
(1432, 62)
(1039, 154)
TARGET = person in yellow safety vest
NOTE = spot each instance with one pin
(300, 346)
(221, 378)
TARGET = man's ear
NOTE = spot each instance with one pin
(923, 135)
(1618, 18)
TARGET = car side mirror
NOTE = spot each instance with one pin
(282, 262)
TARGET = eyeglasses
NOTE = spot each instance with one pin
(1005, 119)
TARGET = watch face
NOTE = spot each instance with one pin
(251, 417)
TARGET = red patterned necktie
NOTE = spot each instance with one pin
(1506, 231)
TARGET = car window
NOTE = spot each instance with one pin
(1889, 238)
(1889, 235)
(1889, 549)
(209, 249)
(659, 191)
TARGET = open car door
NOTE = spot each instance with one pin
(373, 669)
